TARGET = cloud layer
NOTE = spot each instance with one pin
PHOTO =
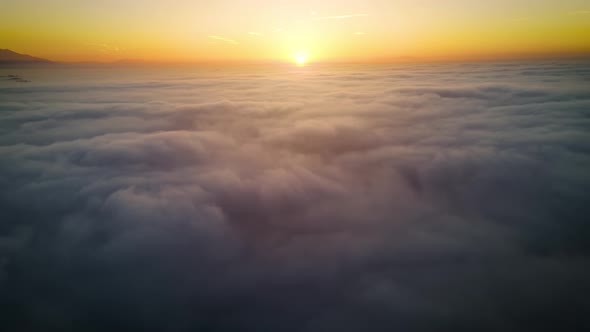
(376, 198)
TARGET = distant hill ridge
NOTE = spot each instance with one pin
(8, 56)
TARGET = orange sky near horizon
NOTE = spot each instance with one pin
(279, 30)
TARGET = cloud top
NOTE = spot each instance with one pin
(345, 198)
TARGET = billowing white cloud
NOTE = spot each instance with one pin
(346, 198)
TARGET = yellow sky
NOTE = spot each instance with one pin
(257, 30)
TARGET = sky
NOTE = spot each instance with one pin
(279, 30)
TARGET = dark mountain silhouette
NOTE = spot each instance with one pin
(8, 56)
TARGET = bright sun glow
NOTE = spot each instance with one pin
(301, 58)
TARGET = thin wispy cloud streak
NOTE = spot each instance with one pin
(339, 17)
(224, 39)
(439, 197)
(580, 12)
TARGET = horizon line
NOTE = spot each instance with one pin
(349, 60)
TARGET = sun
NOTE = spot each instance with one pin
(301, 58)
